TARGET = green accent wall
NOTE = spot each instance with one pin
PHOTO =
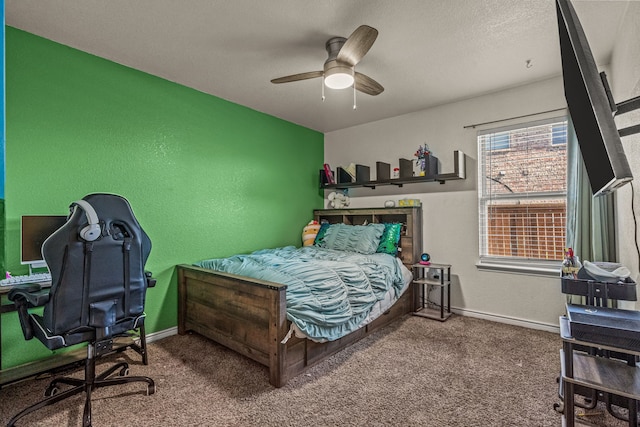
(205, 177)
(2, 138)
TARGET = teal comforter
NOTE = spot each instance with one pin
(329, 293)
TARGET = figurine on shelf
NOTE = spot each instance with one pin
(338, 200)
(422, 155)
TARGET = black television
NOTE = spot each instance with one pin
(591, 106)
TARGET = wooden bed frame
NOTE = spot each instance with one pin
(249, 315)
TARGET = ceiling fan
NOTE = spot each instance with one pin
(339, 68)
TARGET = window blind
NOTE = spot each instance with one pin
(522, 175)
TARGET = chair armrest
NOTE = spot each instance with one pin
(32, 295)
(24, 297)
(151, 282)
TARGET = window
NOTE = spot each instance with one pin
(522, 193)
(500, 141)
(559, 134)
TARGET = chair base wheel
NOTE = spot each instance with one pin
(52, 390)
(151, 390)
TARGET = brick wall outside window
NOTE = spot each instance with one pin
(530, 231)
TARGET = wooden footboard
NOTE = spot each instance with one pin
(249, 316)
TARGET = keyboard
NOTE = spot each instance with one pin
(42, 279)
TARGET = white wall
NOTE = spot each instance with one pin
(625, 84)
(451, 210)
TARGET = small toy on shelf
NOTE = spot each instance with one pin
(422, 155)
(338, 200)
(425, 259)
(408, 202)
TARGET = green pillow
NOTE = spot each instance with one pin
(363, 239)
(321, 233)
(390, 239)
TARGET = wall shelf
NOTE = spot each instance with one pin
(459, 172)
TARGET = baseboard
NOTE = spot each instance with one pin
(506, 319)
(155, 336)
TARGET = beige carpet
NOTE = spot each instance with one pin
(416, 372)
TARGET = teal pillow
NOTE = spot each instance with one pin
(390, 239)
(321, 233)
(363, 239)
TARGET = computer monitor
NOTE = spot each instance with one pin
(590, 106)
(34, 230)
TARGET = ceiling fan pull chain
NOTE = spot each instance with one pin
(323, 88)
(353, 74)
(354, 96)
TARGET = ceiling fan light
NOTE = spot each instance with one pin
(339, 77)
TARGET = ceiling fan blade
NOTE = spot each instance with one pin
(357, 45)
(296, 77)
(366, 84)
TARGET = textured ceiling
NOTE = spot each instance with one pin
(428, 52)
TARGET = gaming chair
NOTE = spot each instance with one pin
(98, 288)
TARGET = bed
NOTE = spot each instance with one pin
(249, 315)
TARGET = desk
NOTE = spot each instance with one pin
(611, 376)
(65, 360)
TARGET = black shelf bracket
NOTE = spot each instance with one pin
(621, 107)
(626, 107)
